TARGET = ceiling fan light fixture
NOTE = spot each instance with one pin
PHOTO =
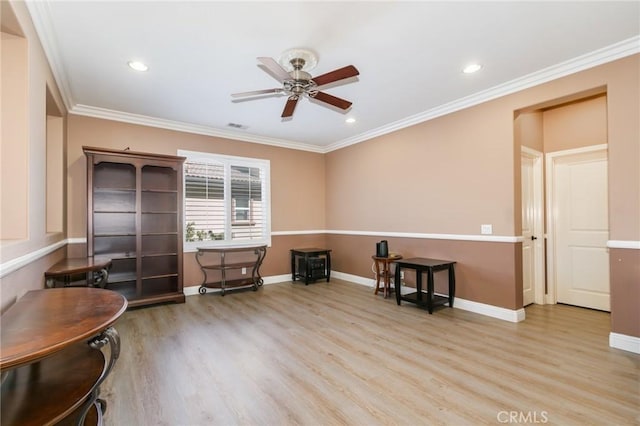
(138, 66)
(471, 68)
(309, 58)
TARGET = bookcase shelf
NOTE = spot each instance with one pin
(134, 216)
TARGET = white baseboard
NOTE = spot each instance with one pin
(356, 279)
(490, 310)
(466, 305)
(275, 279)
(624, 342)
(193, 289)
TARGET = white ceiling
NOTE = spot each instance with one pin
(409, 54)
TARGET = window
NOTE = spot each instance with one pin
(226, 200)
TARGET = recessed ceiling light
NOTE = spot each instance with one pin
(350, 120)
(138, 66)
(470, 69)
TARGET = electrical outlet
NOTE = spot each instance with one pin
(244, 271)
(486, 229)
(402, 275)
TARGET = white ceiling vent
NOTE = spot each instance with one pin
(237, 126)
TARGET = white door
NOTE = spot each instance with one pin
(581, 228)
(528, 233)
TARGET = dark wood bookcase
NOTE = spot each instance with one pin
(134, 217)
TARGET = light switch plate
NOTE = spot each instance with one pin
(486, 229)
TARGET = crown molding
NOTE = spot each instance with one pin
(144, 120)
(607, 54)
(41, 17)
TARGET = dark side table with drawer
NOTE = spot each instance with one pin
(310, 264)
(429, 266)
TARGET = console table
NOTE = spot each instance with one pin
(312, 264)
(97, 269)
(51, 358)
(422, 265)
(232, 265)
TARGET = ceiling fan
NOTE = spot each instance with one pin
(297, 82)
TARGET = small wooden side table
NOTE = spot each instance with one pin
(97, 269)
(426, 266)
(310, 264)
(383, 271)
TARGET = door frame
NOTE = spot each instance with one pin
(538, 222)
(550, 171)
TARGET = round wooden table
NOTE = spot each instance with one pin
(51, 357)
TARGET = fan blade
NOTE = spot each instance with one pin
(256, 92)
(331, 100)
(290, 106)
(280, 73)
(339, 74)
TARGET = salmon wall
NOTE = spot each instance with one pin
(434, 177)
(294, 207)
(578, 124)
(27, 247)
(484, 270)
(440, 180)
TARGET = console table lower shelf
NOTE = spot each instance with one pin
(26, 391)
(229, 268)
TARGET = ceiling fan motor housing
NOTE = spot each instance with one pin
(300, 80)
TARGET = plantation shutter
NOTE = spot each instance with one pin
(226, 200)
(204, 201)
(246, 194)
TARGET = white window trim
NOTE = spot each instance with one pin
(191, 246)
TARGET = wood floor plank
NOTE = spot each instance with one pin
(336, 354)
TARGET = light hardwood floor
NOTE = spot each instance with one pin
(335, 354)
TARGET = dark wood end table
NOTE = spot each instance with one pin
(429, 266)
(317, 264)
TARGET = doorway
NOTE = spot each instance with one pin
(564, 200)
(578, 225)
